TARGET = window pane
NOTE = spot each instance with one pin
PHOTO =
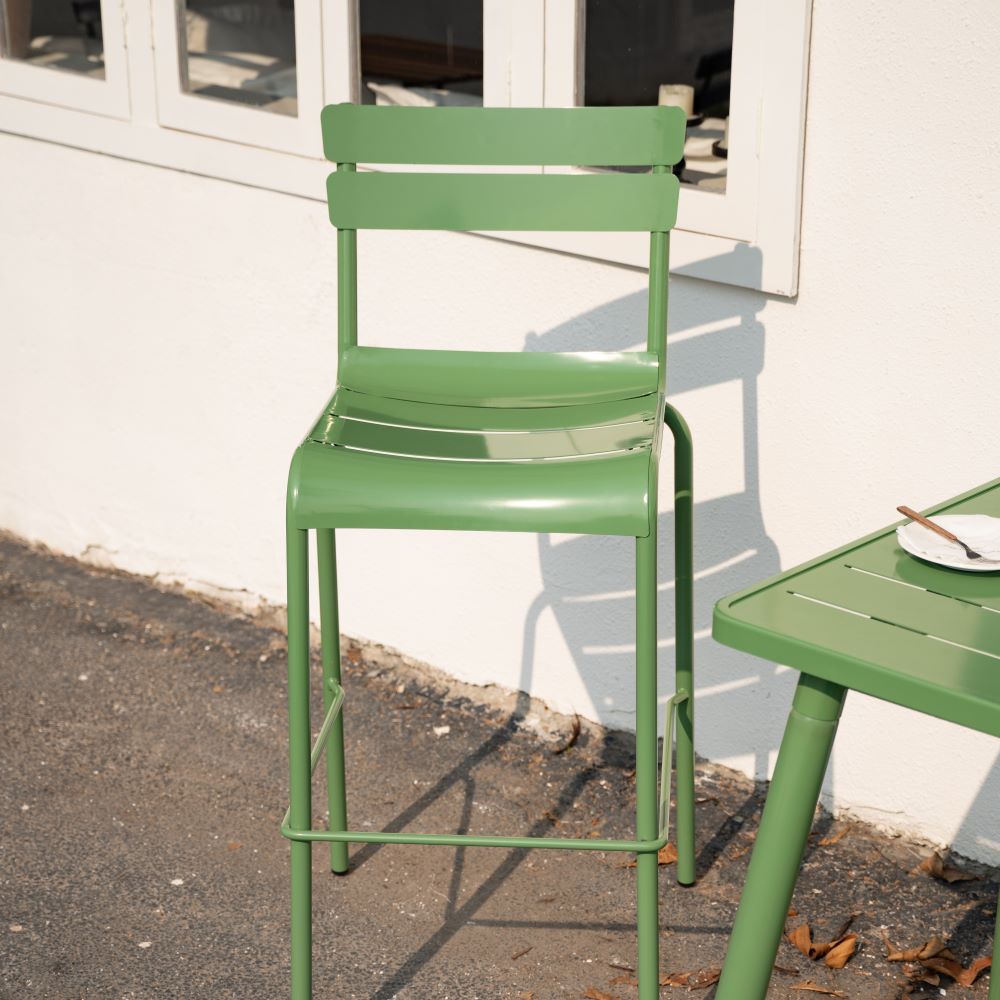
(421, 52)
(59, 34)
(242, 52)
(667, 52)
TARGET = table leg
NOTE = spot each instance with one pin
(781, 839)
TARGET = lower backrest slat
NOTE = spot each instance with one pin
(607, 202)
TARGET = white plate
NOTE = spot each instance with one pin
(979, 532)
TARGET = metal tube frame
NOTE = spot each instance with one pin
(652, 796)
(472, 840)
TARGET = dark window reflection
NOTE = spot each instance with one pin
(241, 52)
(422, 52)
(667, 52)
(58, 34)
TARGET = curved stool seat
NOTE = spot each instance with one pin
(491, 461)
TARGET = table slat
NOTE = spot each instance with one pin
(903, 606)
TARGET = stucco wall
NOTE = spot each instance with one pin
(167, 339)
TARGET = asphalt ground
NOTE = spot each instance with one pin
(142, 783)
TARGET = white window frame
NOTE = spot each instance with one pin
(532, 57)
(228, 120)
(110, 96)
(750, 235)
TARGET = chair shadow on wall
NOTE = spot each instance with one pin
(588, 586)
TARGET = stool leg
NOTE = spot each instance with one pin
(684, 631)
(781, 839)
(300, 814)
(326, 548)
(995, 968)
(647, 819)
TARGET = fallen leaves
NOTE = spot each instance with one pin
(835, 953)
(570, 741)
(935, 865)
(811, 987)
(835, 838)
(593, 993)
(927, 950)
(936, 958)
(952, 967)
(666, 855)
(623, 980)
(697, 980)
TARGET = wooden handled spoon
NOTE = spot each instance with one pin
(943, 532)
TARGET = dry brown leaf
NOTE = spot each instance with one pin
(921, 975)
(835, 953)
(697, 980)
(835, 838)
(935, 865)
(521, 953)
(666, 855)
(570, 741)
(969, 904)
(623, 980)
(950, 967)
(839, 955)
(525, 995)
(930, 949)
(233, 845)
(812, 987)
(593, 993)
(801, 937)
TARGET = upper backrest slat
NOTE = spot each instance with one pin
(642, 136)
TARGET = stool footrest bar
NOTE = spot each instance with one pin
(473, 840)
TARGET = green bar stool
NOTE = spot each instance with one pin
(480, 441)
(868, 618)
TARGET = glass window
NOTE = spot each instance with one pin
(242, 52)
(674, 52)
(421, 52)
(59, 34)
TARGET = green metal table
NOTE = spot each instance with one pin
(869, 618)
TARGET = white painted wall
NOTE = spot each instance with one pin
(167, 339)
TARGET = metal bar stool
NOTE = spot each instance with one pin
(494, 441)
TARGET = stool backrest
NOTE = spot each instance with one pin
(616, 201)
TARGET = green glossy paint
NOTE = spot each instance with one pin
(611, 202)
(622, 137)
(491, 441)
